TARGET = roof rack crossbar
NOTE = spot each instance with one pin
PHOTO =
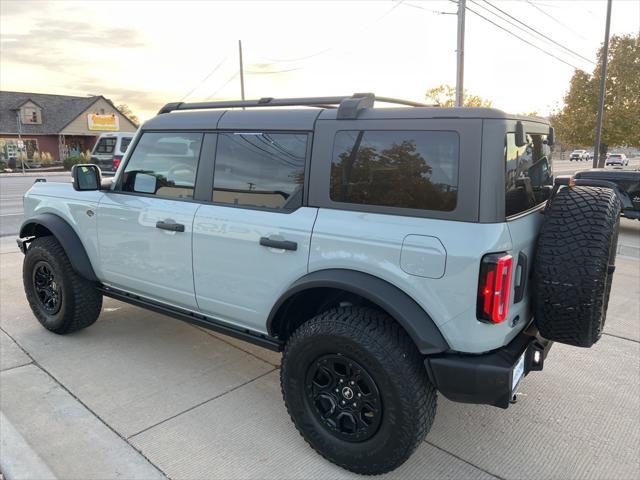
(348, 107)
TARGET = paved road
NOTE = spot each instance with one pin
(140, 396)
(11, 191)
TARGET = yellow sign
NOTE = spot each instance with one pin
(105, 123)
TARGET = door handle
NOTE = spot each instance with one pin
(171, 226)
(283, 244)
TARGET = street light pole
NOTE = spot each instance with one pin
(597, 162)
(19, 121)
(460, 54)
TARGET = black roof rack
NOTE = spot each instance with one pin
(348, 107)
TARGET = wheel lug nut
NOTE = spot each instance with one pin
(341, 381)
(359, 395)
(337, 391)
(352, 382)
(355, 404)
(342, 402)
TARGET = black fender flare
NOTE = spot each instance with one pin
(68, 238)
(404, 309)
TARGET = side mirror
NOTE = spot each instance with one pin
(551, 138)
(86, 177)
(521, 136)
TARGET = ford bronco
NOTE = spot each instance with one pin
(389, 253)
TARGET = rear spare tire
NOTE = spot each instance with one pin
(574, 265)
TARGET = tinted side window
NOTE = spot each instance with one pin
(260, 169)
(528, 173)
(124, 143)
(406, 169)
(106, 145)
(163, 164)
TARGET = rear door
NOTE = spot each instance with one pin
(145, 222)
(251, 241)
(528, 174)
(104, 150)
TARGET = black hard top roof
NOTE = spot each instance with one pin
(263, 114)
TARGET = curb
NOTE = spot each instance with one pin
(18, 459)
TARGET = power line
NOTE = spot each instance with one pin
(250, 72)
(534, 30)
(224, 85)
(555, 19)
(215, 69)
(420, 7)
(520, 38)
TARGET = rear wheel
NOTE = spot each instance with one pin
(61, 300)
(356, 389)
(574, 264)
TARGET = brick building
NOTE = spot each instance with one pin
(60, 125)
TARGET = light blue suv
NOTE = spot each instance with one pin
(389, 253)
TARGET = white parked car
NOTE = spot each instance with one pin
(109, 149)
(579, 155)
(619, 159)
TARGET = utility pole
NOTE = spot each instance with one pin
(460, 54)
(241, 71)
(597, 162)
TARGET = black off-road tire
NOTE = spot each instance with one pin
(79, 302)
(382, 352)
(574, 265)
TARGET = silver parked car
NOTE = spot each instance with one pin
(617, 159)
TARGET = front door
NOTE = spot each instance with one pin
(145, 222)
(253, 240)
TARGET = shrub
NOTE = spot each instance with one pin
(47, 158)
(71, 161)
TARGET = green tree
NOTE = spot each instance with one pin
(445, 96)
(126, 111)
(575, 122)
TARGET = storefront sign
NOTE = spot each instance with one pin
(104, 123)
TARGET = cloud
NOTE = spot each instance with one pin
(136, 99)
(47, 43)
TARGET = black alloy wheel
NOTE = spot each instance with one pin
(344, 397)
(47, 287)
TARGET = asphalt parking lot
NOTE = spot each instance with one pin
(141, 396)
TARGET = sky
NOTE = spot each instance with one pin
(148, 53)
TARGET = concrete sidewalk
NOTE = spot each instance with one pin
(142, 396)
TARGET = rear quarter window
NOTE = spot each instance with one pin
(404, 169)
(124, 143)
(528, 173)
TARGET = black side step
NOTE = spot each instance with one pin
(204, 321)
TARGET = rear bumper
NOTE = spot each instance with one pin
(488, 378)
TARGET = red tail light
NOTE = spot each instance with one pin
(116, 161)
(494, 287)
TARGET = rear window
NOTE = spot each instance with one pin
(124, 143)
(528, 173)
(105, 145)
(404, 169)
(616, 155)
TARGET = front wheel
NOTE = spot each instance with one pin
(356, 389)
(61, 300)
